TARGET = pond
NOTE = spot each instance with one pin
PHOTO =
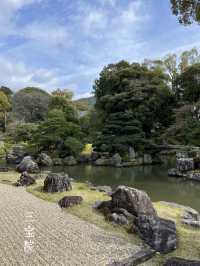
(152, 179)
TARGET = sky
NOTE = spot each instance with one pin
(66, 43)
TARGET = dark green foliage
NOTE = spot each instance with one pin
(31, 104)
(121, 130)
(187, 11)
(57, 134)
(6, 90)
(189, 83)
(129, 100)
(24, 132)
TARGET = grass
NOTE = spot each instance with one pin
(85, 210)
(188, 238)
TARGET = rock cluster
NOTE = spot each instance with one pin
(28, 165)
(55, 182)
(134, 207)
(25, 180)
(70, 201)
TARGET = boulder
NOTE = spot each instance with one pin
(44, 160)
(70, 201)
(55, 182)
(15, 154)
(133, 200)
(185, 164)
(181, 262)
(57, 162)
(28, 165)
(158, 233)
(25, 180)
(69, 161)
(147, 159)
(134, 207)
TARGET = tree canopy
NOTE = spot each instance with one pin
(31, 104)
(129, 98)
(187, 11)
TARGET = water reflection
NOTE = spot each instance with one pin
(153, 179)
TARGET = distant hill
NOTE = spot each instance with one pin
(85, 104)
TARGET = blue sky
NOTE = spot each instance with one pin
(66, 43)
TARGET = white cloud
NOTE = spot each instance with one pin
(8, 8)
(51, 33)
(18, 75)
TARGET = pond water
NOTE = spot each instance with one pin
(153, 179)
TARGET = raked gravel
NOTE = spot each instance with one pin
(58, 238)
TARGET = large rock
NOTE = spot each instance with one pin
(44, 160)
(28, 165)
(181, 262)
(25, 180)
(133, 200)
(158, 233)
(70, 201)
(134, 207)
(15, 154)
(185, 164)
(55, 182)
(69, 161)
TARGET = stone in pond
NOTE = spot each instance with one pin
(55, 182)
(70, 201)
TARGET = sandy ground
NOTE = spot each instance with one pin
(35, 232)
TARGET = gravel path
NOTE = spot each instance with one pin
(57, 238)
